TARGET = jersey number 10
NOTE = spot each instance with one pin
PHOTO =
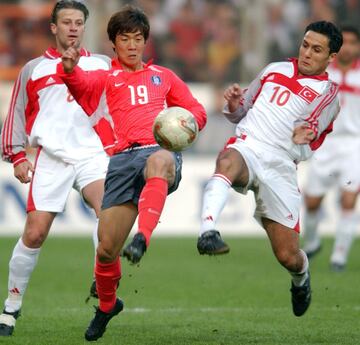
(280, 98)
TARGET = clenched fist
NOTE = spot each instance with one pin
(233, 95)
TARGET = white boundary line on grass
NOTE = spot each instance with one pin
(217, 310)
(140, 310)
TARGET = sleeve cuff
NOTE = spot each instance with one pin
(226, 110)
(60, 71)
(18, 158)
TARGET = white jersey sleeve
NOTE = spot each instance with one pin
(13, 135)
(278, 100)
(247, 100)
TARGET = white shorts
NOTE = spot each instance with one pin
(273, 179)
(337, 162)
(53, 180)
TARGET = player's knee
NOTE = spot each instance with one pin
(159, 165)
(224, 164)
(286, 258)
(312, 204)
(34, 238)
(106, 254)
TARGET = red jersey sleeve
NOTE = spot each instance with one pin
(86, 87)
(106, 135)
(181, 96)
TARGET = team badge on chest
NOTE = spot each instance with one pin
(308, 94)
(156, 80)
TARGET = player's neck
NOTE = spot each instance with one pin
(132, 68)
(344, 67)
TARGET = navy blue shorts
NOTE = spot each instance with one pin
(125, 176)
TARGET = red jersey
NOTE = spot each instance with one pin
(131, 100)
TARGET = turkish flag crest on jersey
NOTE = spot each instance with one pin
(308, 94)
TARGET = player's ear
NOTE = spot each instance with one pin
(332, 57)
(53, 28)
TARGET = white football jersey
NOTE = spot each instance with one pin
(348, 122)
(43, 113)
(278, 100)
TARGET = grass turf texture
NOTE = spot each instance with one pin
(176, 296)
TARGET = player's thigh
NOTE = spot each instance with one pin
(115, 224)
(93, 195)
(348, 199)
(90, 178)
(284, 240)
(276, 192)
(50, 185)
(312, 203)
(233, 165)
(161, 164)
(37, 227)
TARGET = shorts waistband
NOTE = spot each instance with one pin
(135, 148)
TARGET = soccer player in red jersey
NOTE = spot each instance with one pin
(141, 174)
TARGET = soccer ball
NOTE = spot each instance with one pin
(175, 129)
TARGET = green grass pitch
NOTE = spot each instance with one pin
(176, 296)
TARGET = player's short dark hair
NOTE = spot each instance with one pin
(128, 19)
(352, 29)
(72, 4)
(330, 31)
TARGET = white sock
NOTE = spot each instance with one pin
(298, 278)
(344, 237)
(21, 265)
(95, 240)
(214, 199)
(311, 237)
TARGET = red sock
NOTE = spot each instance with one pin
(151, 204)
(107, 278)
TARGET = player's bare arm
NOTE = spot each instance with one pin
(233, 95)
(303, 135)
(21, 171)
(70, 58)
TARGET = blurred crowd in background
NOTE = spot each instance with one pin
(212, 42)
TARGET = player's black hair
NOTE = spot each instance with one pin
(350, 28)
(72, 4)
(330, 31)
(128, 19)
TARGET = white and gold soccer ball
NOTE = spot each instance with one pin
(175, 129)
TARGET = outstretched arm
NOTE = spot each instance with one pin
(180, 95)
(70, 58)
(86, 87)
(239, 101)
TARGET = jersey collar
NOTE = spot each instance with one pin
(294, 61)
(115, 63)
(53, 53)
